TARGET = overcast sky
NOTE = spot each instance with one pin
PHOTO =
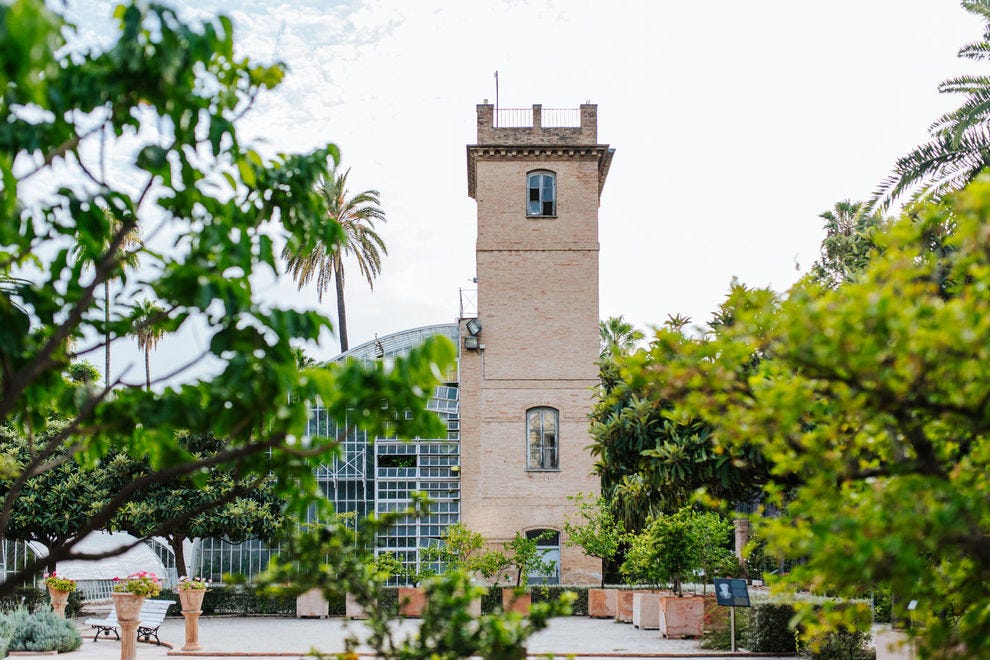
(735, 125)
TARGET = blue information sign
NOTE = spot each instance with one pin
(731, 592)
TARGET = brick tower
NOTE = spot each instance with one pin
(528, 360)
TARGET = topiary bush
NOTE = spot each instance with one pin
(770, 631)
(41, 631)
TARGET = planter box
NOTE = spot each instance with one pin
(623, 605)
(682, 617)
(895, 645)
(516, 601)
(646, 611)
(353, 609)
(312, 604)
(601, 603)
(412, 601)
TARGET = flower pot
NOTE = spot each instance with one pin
(516, 599)
(682, 617)
(601, 603)
(412, 601)
(191, 600)
(127, 605)
(59, 600)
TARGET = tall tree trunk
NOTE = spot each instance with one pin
(147, 368)
(176, 541)
(106, 346)
(338, 277)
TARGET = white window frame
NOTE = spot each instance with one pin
(546, 193)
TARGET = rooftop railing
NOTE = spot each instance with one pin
(551, 118)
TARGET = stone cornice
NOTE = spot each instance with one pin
(536, 153)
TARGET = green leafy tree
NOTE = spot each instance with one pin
(653, 459)
(524, 554)
(145, 127)
(462, 549)
(959, 148)
(666, 551)
(872, 404)
(595, 529)
(54, 507)
(217, 502)
(356, 216)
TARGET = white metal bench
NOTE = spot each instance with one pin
(151, 618)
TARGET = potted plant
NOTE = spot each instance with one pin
(461, 549)
(527, 558)
(192, 590)
(59, 589)
(668, 550)
(378, 569)
(129, 593)
(599, 533)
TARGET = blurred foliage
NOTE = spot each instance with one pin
(139, 137)
(870, 401)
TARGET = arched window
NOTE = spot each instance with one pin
(542, 439)
(548, 545)
(541, 196)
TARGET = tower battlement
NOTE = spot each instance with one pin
(539, 126)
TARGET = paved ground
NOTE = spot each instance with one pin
(275, 637)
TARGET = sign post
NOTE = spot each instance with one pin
(731, 593)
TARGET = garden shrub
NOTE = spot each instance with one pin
(882, 605)
(770, 631)
(35, 599)
(552, 592)
(717, 625)
(235, 599)
(41, 631)
(842, 644)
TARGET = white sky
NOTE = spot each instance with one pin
(735, 125)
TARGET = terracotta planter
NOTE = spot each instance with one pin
(412, 601)
(127, 606)
(191, 600)
(59, 600)
(516, 600)
(646, 611)
(682, 617)
(312, 604)
(601, 603)
(623, 605)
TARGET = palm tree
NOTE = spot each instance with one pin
(148, 332)
(128, 249)
(617, 336)
(356, 216)
(848, 242)
(960, 146)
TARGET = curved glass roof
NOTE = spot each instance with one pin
(399, 343)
